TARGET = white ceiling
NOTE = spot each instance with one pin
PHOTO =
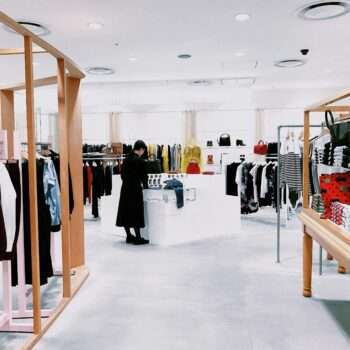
(155, 32)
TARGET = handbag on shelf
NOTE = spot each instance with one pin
(340, 130)
(260, 148)
(224, 140)
(209, 143)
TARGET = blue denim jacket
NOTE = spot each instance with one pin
(52, 192)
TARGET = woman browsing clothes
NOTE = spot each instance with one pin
(131, 209)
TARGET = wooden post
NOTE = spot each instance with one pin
(307, 264)
(75, 162)
(63, 137)
(306, 175)
(7, 106)
(33, 205)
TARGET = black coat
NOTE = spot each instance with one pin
(134, 176)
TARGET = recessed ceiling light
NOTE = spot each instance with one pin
(242, 17)
(35, 27)
(323, 10)
(95, 25)
(290, 63)
(100, 70)
(240, 54)
(200, 82)
(132, 59)
(184, 56)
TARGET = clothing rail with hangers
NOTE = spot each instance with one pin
(279, 128)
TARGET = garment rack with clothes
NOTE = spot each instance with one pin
(278, 237)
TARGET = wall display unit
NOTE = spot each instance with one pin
(67, 79)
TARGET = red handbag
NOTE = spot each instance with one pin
(260, 148)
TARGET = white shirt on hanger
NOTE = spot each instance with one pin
(8, 204)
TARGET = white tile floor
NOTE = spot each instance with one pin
(227, 294)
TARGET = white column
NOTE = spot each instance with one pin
(190, 125)
(259, 125)
(114, 127)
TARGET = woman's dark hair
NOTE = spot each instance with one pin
(139, 144)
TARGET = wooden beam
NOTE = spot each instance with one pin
(63, 138)
(36, 83)
(75, 160)
(330, 108)
(33, 205)
(7, 52)
(73, 68)
(7, 111)
(306, 171)
(322, 104)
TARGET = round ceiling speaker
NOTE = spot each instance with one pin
(100, 70)
(323, 10)
(35, 27)
(290, 63)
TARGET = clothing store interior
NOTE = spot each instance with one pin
(174, 176)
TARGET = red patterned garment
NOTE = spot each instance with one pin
(335, 188)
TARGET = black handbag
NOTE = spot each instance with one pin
(224, 140)
(209, 143)
(340, 131)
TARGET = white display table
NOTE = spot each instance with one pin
(207, 212)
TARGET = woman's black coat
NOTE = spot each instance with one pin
(134, 176)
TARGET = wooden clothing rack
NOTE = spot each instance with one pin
(68, 80)
(330, 236)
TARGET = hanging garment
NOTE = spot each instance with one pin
(131, 207)
(3, 239)
(8, 202)
(177, 186)
(335, 187)
(52, 195)
(14, 172)
(165, 156)
(56, 161)
(98, 187)
(108, 180)
(85, 183)
(231, 185)
(44, 228)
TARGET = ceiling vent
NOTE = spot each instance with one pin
(100, 70)
(323, 10)
(35, 27)
(290, 63)
(201, 82)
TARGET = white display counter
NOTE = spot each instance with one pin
(207, 213)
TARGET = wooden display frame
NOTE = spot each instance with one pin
(330, 236)
(70, 137)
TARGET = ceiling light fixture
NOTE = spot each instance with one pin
(100, 70)
(35, 27)
(132, 59)
(323, 10)
(290, 63)
(240, 54)
(184, 56)
(95, 25)
(242, 17)
(200, 82)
